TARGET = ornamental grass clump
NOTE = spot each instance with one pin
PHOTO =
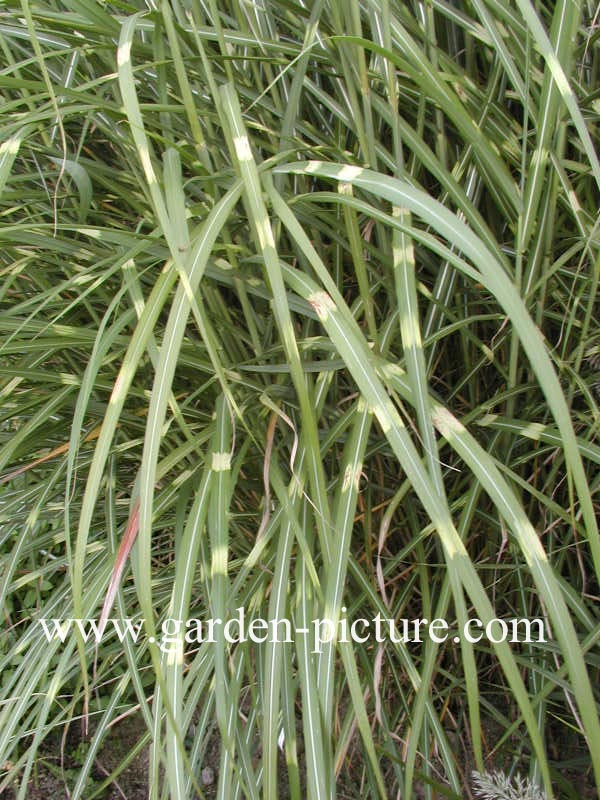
(299, 316)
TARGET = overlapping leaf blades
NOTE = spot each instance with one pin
(258, 262)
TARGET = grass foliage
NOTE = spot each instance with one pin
(302, 298)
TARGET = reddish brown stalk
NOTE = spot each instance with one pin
(62, 448)
(123, 553)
